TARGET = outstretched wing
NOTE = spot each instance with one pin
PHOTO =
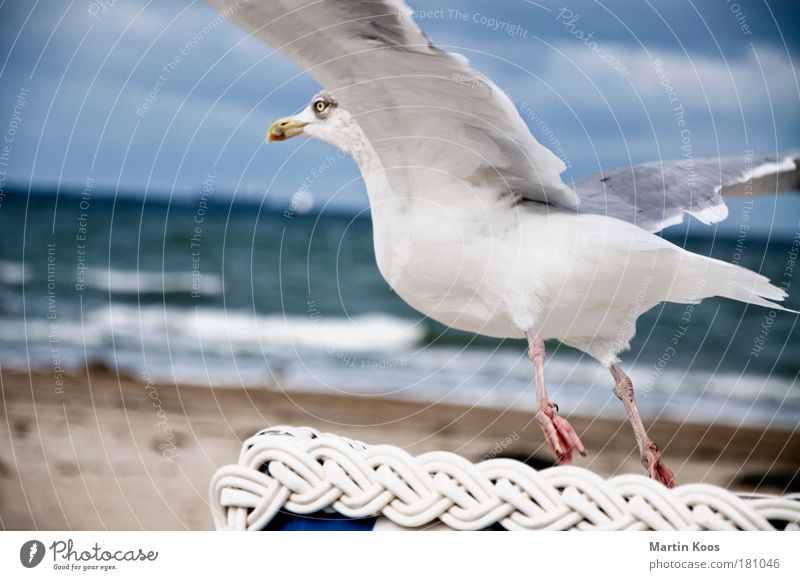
(658, 194)
(425, 111)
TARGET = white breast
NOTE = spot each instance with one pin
(471, 260)
(457, 261)
(496, 271)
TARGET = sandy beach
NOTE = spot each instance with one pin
(107, 452)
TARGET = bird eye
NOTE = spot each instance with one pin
(320, 106)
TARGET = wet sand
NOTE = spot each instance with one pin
(108, 452)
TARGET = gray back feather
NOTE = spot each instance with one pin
(656, 195)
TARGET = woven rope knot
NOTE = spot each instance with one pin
(303, 471)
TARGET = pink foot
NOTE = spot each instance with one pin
(651, 459)
(560, 435)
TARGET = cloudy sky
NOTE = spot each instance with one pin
(155, 96)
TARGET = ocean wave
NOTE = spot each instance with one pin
(144, 282)
(217, 330)
(375, 355)
(14, 273)
(133, 282)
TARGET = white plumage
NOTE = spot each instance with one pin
(472, 223)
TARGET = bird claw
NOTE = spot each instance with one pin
(651, 459)
(559, 434)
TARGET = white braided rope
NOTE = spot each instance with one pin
(303, 471)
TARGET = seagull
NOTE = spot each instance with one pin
(473, 225)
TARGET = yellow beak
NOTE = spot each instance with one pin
(285, 128)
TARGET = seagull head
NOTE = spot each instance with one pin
(322, 119)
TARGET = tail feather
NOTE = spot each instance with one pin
(737, 283)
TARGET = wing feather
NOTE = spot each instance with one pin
(426, 109)
(657, 195)
(419, 106)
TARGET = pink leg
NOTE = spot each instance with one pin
(560, 435)
(649, 453)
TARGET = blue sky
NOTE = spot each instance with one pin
(86, 75)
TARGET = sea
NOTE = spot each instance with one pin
(221, 291)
